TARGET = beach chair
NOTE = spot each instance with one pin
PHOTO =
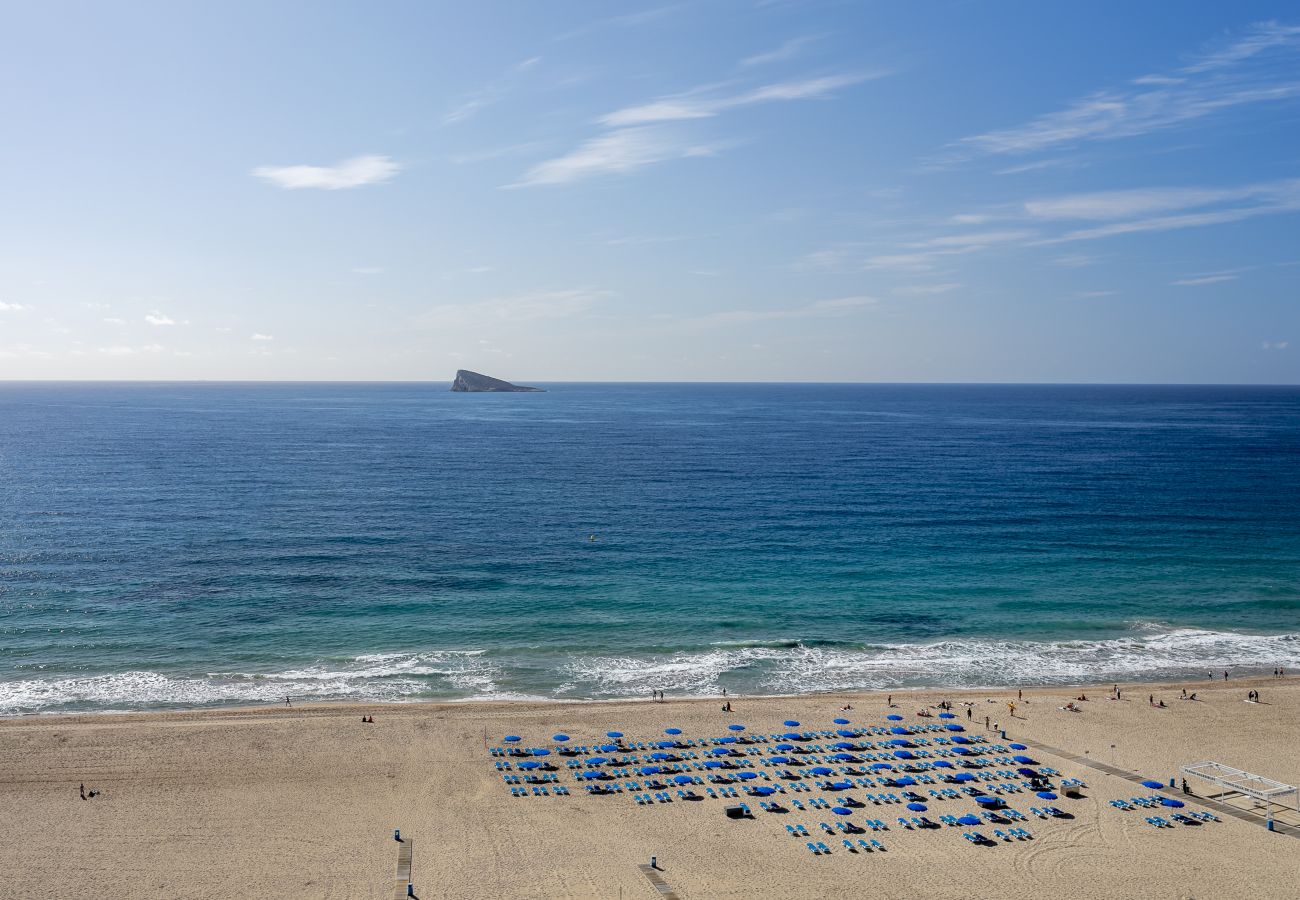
(1022, 835)
(823, 848)
(863, 845)
(973, 836)
(848, 845)
(1001, 835)
(813, 847)
(906, 824)
(879, 846)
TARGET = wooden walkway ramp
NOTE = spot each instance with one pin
(653, 876)
(405, 850)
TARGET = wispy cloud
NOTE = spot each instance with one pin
(705, 103)
(1275, 345)
(491, 93)
(258, 336)
(788, 50)
(922, 290)
(11, 307)
(1215, 82)
(157, 318)
(514, 309)
(368, 270)
(616, 152)
(820, 309)
(1207, 278)
(351, 173)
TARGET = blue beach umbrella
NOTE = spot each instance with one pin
(994, 801)
(727, 740)
(844, 732)
(720, 751)
(560, 738)
(880, 766)
(969, 820)
(841, 721)
(650, 770)
(842, 745)
(1153, 784)
(917, 807)
(530, 764)
(946, 716)
(843, 757)
(597, 761)
(1019, 747)
(665, 744)
(592, 774)
(513, 739)
(1028, 773)
(1023, 759)
(780, 760)
(821, 770)
(790, 723)
(1170, 801)
(540, 751)
(661, 756)
(714, 764)
(614, 734)
(785, 747)
(735, 727)
(942, 764)
(963, 776)
(839, 786)
(608, 748)
(894, 718)
(905, 781)
(898, 742)
(841, 810)
(904, 754)
(746, 776)
(897, 730)
(792, 736)
(961, 751)
(763, 791)
(1046, 795)
(953, 726)
(961, 739)
(683, 779)
(672, 731)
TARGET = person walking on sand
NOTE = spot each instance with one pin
(286, 700)
(969, 713)
(83, 790)
(986, 723)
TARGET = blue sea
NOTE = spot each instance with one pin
(185, 545)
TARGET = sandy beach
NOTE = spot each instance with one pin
(302, 802)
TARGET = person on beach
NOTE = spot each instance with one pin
(1020, 695)
(83, 790)
(969, 713)
(986, 723)
(1225, 674)
(889, 701)
(286, 700)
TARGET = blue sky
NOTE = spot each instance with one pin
(838, 191)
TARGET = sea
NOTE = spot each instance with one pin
(185, 545)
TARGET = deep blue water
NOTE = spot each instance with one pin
(192, 544)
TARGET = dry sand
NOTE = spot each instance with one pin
(302, 803)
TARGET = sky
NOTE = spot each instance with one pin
(706, 191)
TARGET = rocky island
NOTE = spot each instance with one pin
(474, 383)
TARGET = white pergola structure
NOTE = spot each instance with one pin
(1257, 787)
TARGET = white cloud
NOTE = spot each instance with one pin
(616, 152)
(514, 309)
(157, 318)
(788, 50)
(837, 307)
(1208, 278)
(11, 307)
(258, 336)
(927, 289)
(351, 173)
(117, 350)
(699, 105)
(970, 219)
(116, 321)
(367, 270)
(1214, 83)
(1276, 345)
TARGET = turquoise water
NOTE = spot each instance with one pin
(194, 544)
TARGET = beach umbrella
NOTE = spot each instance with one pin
(1023, 759)
(961, 751)
(650, 770)
(839, 786)
(727, 740)
(953, 726)
(592, 774)
(672, 731)
(897, 730)
(844, 732)
(683, 779)
(719, 751)
(608, 748)
(780, 760)
(917, 807)
(714, 764)
(842, 745)
(560, 738)
(821, 770)
(994, 801)
(963, 776)
(597, 761)
(844, 757)
(614, 734)
(540, 751)
(968, 819)
(763, 791)
(661, 756)
(960, 739)
(841, 810)
(1046, 795)
(898, 742)
(904, 754)
(1170, 801)
(746, 776)
(785, 747)
(735, 727)
(790, 723)
(530, 764)
(841, 721)
(893, 718)
(665, 744)
(879, 766)
(1153, 784)
(1028, 773)
(513, 739)
(1019, 747)
(792, 736)
(905, 781)
(946, 716)
(942, 764)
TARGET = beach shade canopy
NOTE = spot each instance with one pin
(843, 757)
(942, 764)
(821, 770)
(1021, 758)
(839, 785)
(894, 718)
(1153, 784)
(841, 810)
(661, 756)
(763, 791)
(592, 774)
(746, 776)
(963, 776)
(897, 730)
(917, 807)
(720, 751)
(561, 738)
(529, 765)
(953, 726)
(513, 738)
(735, 727)
(786, 747)
(608, 748)
(650, 770)
(994, 801)
(1030, 773)
(597, 761)
(1019, 747)
(879, 766)
(946, 716)
(842, 745)
(961, 751)
(968, 820)
(905, 781)
(683, 779)
(961, 739)
(540, 751)
(790, 723)
(672, 731)
(665, 744)
(614, 734)
(841, 721)
(792, 736)
(1046, 795)
(779, 760)
(1170, 801)
(714, 764)
(844, 732)
(899, 742)
(727, 740)
(904, 754)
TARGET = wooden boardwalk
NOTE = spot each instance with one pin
(405, 850)
(653, 876)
